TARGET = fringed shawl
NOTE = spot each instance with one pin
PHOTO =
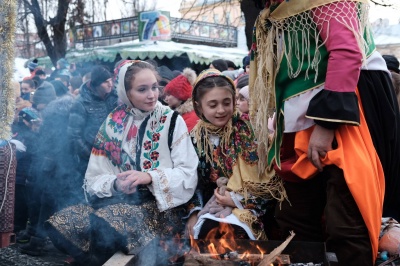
(276, 37)
(236, 158)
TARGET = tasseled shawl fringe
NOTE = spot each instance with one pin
(202, 132)
(269, 49)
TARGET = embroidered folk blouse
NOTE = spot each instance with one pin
(163, 149)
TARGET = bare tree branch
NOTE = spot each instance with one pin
(381, 4)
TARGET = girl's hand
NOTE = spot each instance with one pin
(127, 181)
(320, 143)
(224, 200)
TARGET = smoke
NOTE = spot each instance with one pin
(52, 169)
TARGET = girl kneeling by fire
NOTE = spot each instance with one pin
(232, 185)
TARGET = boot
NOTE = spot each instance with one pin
(35, 247)
(23, 237)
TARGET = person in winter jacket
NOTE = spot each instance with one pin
(178, 94)
(52, 183)
(96, 100)
(24, 129)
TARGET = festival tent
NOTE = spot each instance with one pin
(197, 54)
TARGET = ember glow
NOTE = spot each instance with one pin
(220, 244)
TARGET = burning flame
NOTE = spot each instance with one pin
(222, 239)
(220, 244)
(262, 252)
(212, 250)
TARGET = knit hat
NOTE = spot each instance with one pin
(38, 81)
(181, 87)
(392, 63)
(246, 61)
(99, 74)
(59, 87)
(220, 64)
(230, 64)
(29, 114)
(245, 92)
(63, 63)
(176, 73)
(32, 65)
(242, 81)
(44, 94)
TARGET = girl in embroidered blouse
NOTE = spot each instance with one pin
(141, 172)
(235, 191)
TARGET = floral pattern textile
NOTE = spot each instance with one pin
(236, 159)
(112, 144)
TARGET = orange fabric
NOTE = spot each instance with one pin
(363, 172)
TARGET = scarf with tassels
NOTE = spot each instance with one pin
(287, 45)
(236, 157)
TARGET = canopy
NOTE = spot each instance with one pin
(198, 54)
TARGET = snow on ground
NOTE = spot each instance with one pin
(19, 70)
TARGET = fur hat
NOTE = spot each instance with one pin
(220, 64)
(44, 94)
(392, 63)
(99, 74)
(181, 87)
(245, 92)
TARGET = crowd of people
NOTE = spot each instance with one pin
(113, 158)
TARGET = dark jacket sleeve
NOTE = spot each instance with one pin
(76, 125)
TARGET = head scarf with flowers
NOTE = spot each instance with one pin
(122, 125)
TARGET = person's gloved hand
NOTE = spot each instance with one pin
(220, 211)
(215, 209)
(206, 208)
(226, 211)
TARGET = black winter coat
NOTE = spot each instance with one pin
(87, 114)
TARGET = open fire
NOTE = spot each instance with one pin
(229, 251)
